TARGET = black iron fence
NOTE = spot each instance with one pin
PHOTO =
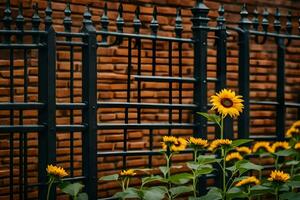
(45, 44)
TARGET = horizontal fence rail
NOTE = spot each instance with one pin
(45, 46)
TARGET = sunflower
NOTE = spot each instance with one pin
(56, 171)
(296, 124)
(168, 141)
(280, 145)
(180, 145)
(265, 146)
(297, 146)
(279, 176)
(233, 156)
(226, 102)
(243, 150)
(197, 143)
(292, 132)
(127, 173)
(252, 180)
(218, 143)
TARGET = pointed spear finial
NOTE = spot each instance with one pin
(120, 20)
(289, 26)
(7, 19)
(104, 18)
(221, 19)
(20, 18)
(265, 20)
(68, 20)
(277, 24)
(178, 23)
(87, 16)
(255, 21)
(154, 23)
(136, 21)
(48, 17)
(36, 20)
(244, 22)
(104, 22)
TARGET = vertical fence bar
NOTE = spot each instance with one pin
(221, 44)
(47, 116)
(89, 96)
(280, 97)
(280, 108)
(199, 29)
(244, 73)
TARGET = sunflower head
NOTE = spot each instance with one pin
(127, 173)
(297, 146)
(278, 176)
(280, 146)
(262, 146)
(56, 171)
(296, 124)
(233, 157)
(173, 144)
(219, 143)
(252, 180)
(243, 150)
(197, 143)
(293, 132)
(226, 102)
(180, 145)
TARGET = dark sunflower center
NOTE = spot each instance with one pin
(226, 102)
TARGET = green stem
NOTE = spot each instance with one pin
(195, 184)
(123, 185)
(276, 162)
(276, 193)
(51, 181)
(222, 127)
(223, 154)
(195, 155)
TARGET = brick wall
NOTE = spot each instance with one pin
(112, 79)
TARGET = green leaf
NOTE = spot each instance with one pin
(211, 117)
(250, 166)
(112, 177)
(72, 189)
(294, 184)
(240, 142)
(82, 196)
(284, 153)
(182, 178)
(292, 162)
(204, 170)
(153, 178)
(213, 194)
(259, 190)
(128, 193)
(207, 159)
(175, 191)
(290, 196)
(235, 192)
(164, 170)
(156, 193)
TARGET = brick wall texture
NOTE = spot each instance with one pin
(112, 83)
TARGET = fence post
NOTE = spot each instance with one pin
(280, 97)
(89, 113)
(221, 43)
(47, 115)
(199, 28)
(244, 73)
